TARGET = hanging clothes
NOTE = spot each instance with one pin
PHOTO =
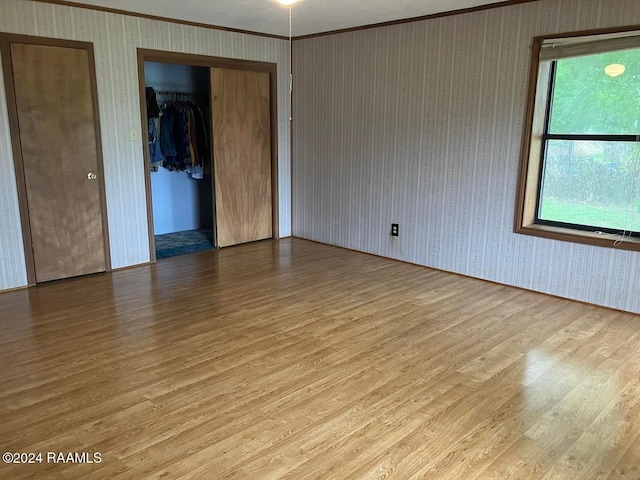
(153, 114)
(167, 144)
(184, 138)
(155, 151)
(178, 134)
(153, 110)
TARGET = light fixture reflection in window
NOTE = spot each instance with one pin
(614, 70)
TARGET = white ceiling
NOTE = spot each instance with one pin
(267, 16)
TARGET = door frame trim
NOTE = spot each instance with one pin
(161, 56)
(6, 39)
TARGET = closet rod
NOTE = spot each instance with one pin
(186, 94)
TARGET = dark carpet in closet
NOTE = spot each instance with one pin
(179, 243)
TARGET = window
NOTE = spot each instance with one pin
(580, 169)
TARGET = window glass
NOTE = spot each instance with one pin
(592, 96)
(592, 183)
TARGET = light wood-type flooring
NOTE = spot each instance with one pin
(298, 361)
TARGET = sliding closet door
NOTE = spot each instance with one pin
(59, 152)
(242, 155)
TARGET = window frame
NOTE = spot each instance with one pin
(534, 140)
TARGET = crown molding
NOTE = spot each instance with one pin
(98, 8)
(449, 13)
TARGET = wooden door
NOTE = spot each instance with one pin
(59, 149)
(242, 155)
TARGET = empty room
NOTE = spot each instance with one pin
(320, 239)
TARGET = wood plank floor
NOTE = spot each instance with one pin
(295, 360)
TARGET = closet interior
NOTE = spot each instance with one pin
(180, 157)
(210, 128)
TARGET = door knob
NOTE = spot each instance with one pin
(92, 176)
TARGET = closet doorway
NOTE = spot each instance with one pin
(178, 105)
(214, 183)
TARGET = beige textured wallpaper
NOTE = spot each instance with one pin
(420, 124)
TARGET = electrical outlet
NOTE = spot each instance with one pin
(395, 230)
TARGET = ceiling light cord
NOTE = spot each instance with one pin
(290, 65)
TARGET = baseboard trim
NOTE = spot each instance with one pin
(406, 262)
